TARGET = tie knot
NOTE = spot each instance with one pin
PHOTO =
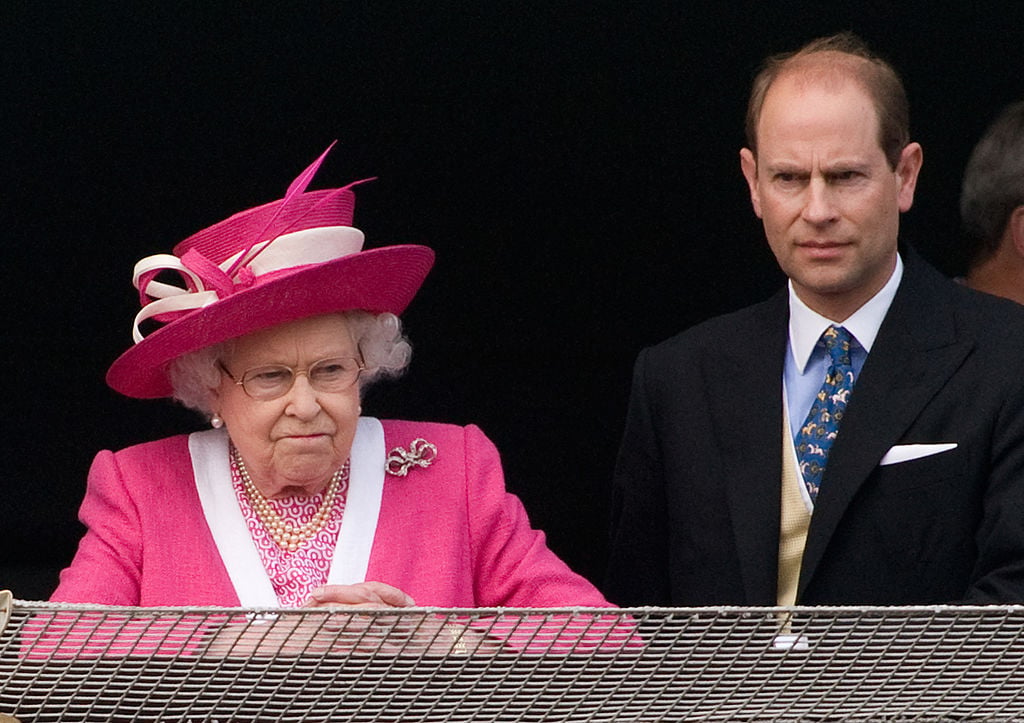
(837, 343)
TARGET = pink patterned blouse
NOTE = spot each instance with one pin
(294, 575)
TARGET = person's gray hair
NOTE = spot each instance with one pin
(385, 351)
(993, 183)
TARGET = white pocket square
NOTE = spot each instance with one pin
(906, 452)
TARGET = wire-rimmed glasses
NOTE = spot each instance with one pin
(334, 374)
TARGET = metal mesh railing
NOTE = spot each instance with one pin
(86, 663)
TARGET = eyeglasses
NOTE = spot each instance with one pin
(335, 374)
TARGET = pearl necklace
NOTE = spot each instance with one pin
(286, 535)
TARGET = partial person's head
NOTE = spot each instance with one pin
(992, 196)
(280, 320)
(830, 168)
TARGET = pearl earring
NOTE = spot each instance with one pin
(216, 422)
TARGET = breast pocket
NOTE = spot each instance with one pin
(925, 510)
(901, 476)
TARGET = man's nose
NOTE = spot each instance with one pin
(819, 203)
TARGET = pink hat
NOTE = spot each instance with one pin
(285, 260)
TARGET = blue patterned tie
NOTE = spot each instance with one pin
(819, 430)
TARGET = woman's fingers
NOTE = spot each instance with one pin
(363, 594)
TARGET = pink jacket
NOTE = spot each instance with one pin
(449, 534)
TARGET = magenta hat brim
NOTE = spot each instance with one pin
(376, 280)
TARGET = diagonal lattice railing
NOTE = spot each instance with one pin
(86, 663)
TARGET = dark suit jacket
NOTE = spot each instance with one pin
(697, 484)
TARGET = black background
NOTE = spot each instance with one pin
(574, 165)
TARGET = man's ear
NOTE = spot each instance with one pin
(907, 169)
(1015, 228)
(748, 164)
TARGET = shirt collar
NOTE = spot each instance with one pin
(806, 326)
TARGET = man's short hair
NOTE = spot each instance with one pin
(993, 182)
(878, 78)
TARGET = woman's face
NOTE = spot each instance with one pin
(293, 444)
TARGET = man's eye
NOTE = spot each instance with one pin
(844, 176)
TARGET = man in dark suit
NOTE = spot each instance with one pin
(859, 437)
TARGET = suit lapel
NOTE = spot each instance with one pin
(915, 353)
(747, 422)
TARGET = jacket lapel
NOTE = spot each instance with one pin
(212, 472)
(747, 421)
(915, 353)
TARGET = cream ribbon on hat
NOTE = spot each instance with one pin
(206, 282)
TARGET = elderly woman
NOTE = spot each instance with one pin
(293, 498)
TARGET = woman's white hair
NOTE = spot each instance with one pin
(385, 351)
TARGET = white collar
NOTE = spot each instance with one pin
(212, 470)
(806, 325)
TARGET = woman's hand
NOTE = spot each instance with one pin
(396, 634)
(373, 595)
